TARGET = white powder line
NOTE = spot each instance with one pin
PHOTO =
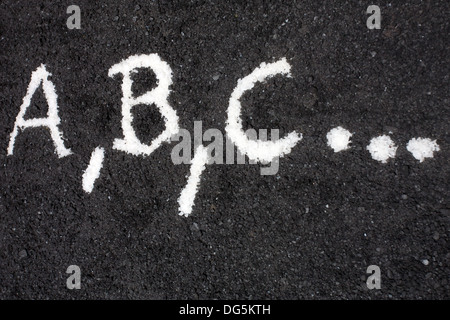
(256, 149)
(422, 148)
(93, 170)
(382, 148)
(338, 139)
(158, 96)
(52, 121)
(187, 196)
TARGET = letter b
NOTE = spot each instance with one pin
(158, 96)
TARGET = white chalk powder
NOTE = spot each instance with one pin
(422, 148)
(52, 121)
(338, 139)
(158, 96)
(187, 196)
(258, 150)
(93, 170)
(382, 148)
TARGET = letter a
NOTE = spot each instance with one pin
(74, 21)
(374, 21)
(158, 96)
(74, 281)
(374, 281)
(52, 121)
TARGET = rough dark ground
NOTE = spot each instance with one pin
(308, 232)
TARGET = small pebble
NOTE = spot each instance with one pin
(195, 227)
(23, 254)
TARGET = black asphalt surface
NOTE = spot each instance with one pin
(308, 232)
